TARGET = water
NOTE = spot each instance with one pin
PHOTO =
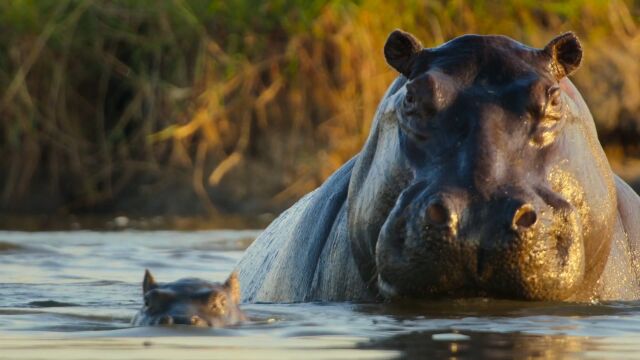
(70, 295)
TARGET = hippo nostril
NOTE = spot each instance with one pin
(166, 320)
(524, 218)
(438, 214)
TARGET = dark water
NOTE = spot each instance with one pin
(70, 295)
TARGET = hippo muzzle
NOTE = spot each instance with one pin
(450, 243)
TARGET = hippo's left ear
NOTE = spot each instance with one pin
(400, 50)
(148, 283)
(566, 54)
(233, 286)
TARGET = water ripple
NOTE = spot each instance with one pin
(76, 292)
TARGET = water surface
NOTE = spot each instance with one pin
(71, 295)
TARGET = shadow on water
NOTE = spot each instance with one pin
(50, 303)
(6, 247)
(483, 307)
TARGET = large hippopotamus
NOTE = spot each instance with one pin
(482, 176)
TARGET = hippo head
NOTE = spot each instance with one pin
(189, 301)
(483, 175)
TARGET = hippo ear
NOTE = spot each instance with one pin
(233, 286)
(400, 51)
(148, 283)
(566, 54)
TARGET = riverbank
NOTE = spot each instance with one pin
(201, 108)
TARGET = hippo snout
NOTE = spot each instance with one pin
(194, 320)
(443, 211)
(455, 243)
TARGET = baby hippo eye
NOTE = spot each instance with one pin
(157, 298)
(218, 302)
(147, 298)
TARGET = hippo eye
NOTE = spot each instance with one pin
(547, 128)
(553, 99)
(146, 300)
(409, 99)
(218, 302)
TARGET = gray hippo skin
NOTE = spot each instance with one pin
(189, 301)
(482, 176)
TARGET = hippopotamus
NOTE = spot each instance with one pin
(190, 301)
(482, 176)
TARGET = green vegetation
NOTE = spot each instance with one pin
(202, 107)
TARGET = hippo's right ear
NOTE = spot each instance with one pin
(400, 50)
(149, 283)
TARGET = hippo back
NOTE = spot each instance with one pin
(305, 253)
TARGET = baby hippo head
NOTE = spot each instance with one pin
(190, 301)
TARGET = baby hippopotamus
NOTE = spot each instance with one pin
(190, 301)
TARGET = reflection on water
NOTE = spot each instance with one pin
(73, 294)
(498, 345)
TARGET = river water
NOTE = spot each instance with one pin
(71, 295)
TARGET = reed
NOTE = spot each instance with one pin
(211, 106)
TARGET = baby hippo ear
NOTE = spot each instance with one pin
(400, 50)
(566, 54)
(233, 286)
(148, 283)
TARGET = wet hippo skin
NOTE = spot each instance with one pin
(482, 176)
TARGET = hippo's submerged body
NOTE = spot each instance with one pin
(482, 176)
(189, 301)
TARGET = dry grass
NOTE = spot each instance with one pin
(103, 102)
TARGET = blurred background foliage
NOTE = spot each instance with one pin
(209, 107)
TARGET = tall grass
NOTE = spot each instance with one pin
(242, 106)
